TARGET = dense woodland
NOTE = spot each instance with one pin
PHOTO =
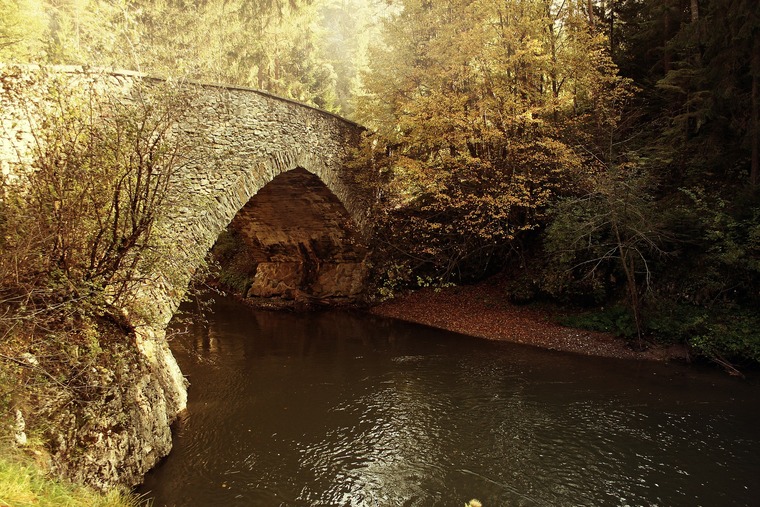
(593, 152)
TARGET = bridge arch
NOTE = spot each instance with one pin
(293, 243)
(243, 140)
(295, 238)
(211, 209)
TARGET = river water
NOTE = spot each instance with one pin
(346, 409)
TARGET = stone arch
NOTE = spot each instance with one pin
(296, 241)
(192, 231)
(263, 172)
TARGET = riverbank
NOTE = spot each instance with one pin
(483, 311)
(26, 481)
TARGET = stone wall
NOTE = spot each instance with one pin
(241, 140)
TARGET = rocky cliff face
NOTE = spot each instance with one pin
(113, 425)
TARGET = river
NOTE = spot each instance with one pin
(347, 409)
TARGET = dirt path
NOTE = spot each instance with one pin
(483, 311)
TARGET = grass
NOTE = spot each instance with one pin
(25, 479)
(23, 483)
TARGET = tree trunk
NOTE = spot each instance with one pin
(553, 72)
(629, 268)
(698, 34)
(633, 294)
(590, 7)
(754, 173)
(665, 37)
(612, 29)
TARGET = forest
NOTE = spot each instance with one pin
(595, 153)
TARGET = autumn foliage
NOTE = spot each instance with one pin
(485, 112)
(598, 152)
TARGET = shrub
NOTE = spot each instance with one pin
(78, 228)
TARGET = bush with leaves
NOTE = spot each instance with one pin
(612, 232)
(719, 243)
(78, 230)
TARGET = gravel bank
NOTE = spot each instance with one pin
(482, 311)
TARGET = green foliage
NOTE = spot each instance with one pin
(734, 335)
(697, 69)
(395, 279)
(236, 265)
(720, 332)
(720, 249)
(614, 319)
(694, 126)
(612, 232)
(22, 30)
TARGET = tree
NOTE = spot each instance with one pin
(347, 28)
(474, 101)
(733, 53)
(612, 228)
(22, 30)
(272, 45)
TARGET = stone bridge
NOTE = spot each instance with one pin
(269, 171)
(275, 166)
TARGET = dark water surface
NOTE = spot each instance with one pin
(342, 409)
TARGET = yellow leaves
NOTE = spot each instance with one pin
(410, 179)
(477, 96)
(436, 121)
(22, 30)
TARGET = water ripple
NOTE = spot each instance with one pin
(282, 417)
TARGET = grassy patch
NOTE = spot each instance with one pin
(23, 482)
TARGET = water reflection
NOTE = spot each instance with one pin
(388, 452)
(331, 409)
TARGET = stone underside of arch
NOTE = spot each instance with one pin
(293, 242)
